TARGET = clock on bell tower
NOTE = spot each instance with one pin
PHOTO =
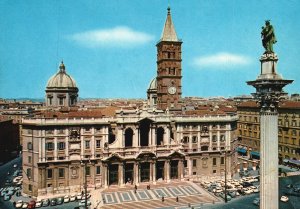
(169, 68)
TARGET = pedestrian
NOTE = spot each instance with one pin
(135, 187)
(177, 199)
(162, 198)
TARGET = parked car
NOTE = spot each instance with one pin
(31, 204)
(66, 199)
(256, 201)
(6, 197)
(38, 204)
(79, 196)
(25, 205)
(53, 202)
(232, 194)
(72, 198)
(247, 184)
(8, 182)
(46, 202)
(222, 195)
(284, 199)
(82, 203)
(19, 204)
(60, 201)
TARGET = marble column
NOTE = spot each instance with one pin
(154, 172)
(180, 170)
(105, 175)
(121, 174)
(167, 171)
(136, 173)
(269, 160)
(269, 89)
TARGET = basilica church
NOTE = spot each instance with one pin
(66, 146)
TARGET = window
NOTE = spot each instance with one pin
(214, 138)
(30, 187)
(29, 146)
(204, 162)
(222, 160)
(88, 171)
(61, 131)
(29, 159)
(87, 144)
(98, 143)
(194, 163)
(61, 145)
(204, 148)
(185, 163)
(214, 171)
(186, 139)
(49, 173)
(61, 172)
(28, 173)
(87, 129)
(49, 146)
(49, 131)
(222, 139)
(214, 161)
(98, 170)
(195, 139)
(61, 101)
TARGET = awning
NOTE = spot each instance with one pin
(295, 162)
(255, 154)
(241, 150)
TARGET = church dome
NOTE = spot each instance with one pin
(153, 84)
(61, 79)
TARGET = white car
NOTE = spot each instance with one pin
(25, 205)
(72, 198)
(284, 199)
(82, 203)
(38, 204)
(79, 196)
(66, 199)
(19, 204)
(248, 191)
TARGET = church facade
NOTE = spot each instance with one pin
(65, 147)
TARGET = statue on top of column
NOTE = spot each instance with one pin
(268, 37)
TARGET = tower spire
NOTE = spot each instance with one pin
(169, 33)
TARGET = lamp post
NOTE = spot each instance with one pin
(85, 183)
(225, 175)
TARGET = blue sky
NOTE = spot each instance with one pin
(108, 46)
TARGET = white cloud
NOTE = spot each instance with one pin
(221, 60)
(120, 36)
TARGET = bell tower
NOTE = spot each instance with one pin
(169, 68)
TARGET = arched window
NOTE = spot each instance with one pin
(128, 137)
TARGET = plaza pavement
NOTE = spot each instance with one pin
(188, 193)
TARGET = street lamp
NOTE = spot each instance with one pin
(225, 156)
(85, 182)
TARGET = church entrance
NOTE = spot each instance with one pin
(129, 173)
(145, 171)
(160, 170)
(174, 169)
(113, 174)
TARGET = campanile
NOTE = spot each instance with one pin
(169, 68)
